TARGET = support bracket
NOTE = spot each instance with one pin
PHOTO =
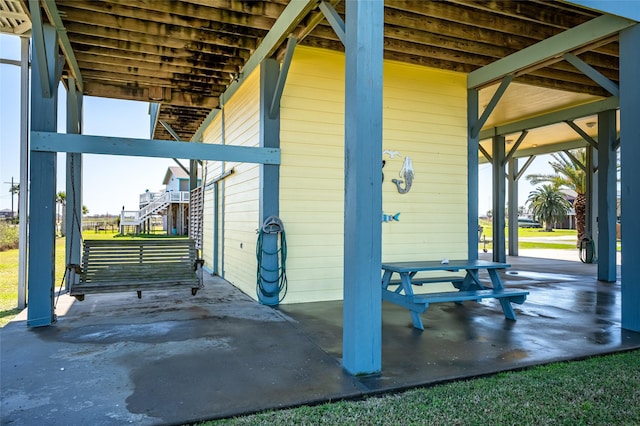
(485, 153)
(582, 133)
(39, 47)
(475, 131)
(515, 147)
(577, 162)
(524, 168)
(54, 15)
(334, 19)
(282, 77)
(593, 74)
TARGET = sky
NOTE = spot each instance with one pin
(111, 182)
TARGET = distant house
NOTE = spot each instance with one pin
(176, 179)
(569, 221)
(170, 204)
(6, 214)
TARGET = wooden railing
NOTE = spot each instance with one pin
(159, 201)
(175, 197)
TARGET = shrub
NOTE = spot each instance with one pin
(8, 236)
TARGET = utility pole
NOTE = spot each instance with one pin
(13, 192)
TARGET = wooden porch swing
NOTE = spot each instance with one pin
(117, 265)
(110, 266)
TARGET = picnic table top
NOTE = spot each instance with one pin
(437, 265)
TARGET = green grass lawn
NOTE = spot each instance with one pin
(528, 232)
(8, 285)
(9, 271)
(524, 233)
(597, 391)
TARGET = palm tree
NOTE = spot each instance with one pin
(569, 174)
(548, 205)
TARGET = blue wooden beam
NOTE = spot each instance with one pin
(175, 136)
(607, 196)
(548, 51)
(39, 50)
(52, 12)
(58, 142)
(269, 180)
(334, 19)
(582, 133)
(24, 173)
(524, 167)
(362, 318)
(485, 154)
(42, 213)
(286, 22)
(590, 192)
(154, 111)
(73, 220)
(274, 109)
(170, 130)
(593, 74)
(548, 149)
(512, 202)
(504, 84)
(575, 160)
(182, 166)
(515, 146)
(499, 190)
(552, 118)
(473, 145)
(630, 175)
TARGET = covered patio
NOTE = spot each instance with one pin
(171, 358)
(582, 56)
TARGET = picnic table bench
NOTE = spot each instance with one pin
(147, 264)
(469, 286)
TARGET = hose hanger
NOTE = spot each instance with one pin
(272, 225)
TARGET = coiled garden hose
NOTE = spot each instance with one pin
(271, 284)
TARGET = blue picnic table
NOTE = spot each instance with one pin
(469, 286)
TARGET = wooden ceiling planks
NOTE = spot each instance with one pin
(185, 53)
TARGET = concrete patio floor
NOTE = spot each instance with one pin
(170, 358)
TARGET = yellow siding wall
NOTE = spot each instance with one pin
(424, 118)
(238, 193)
(213, 134)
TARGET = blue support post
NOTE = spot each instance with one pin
(73, 217)
(42, 217)
(23, 210)
(591, 194)
(216, 228)
(607, 193)
(269, 180)
(193, 174)
(513, 206)
(630, 179)
(499, 189)
(362, 317)
(473, 145)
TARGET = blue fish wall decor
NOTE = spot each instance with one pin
(391, 218)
